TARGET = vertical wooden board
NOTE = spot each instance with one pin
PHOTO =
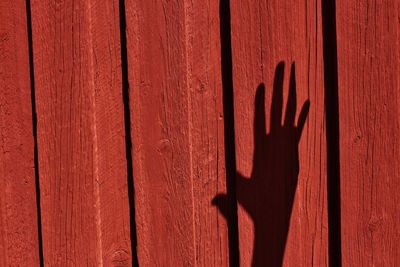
(177, 132)
(81, 144)
(18, 213)
(160, 133)
(282, 217)
(369, 97)
(207, 131)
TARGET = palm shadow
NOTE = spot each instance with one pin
(267, 196)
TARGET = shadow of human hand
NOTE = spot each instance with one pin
(267, 196)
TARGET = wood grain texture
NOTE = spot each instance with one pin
(18, 213)
(177, 132)
(81, 142)
(282, 217)
(369, 97)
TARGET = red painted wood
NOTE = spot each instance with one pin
(282, 217)
(177, 132)
(81, 143)
(369, 97)
(177, 129)
(18, 213)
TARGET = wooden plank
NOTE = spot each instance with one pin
(81, 141)
(18, 210)
(281, 180)
(177, 132)
(368, 74)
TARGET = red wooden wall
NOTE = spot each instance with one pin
(19, 243)
(369, 96)
(80, 133)
(177, 131)
(199, 133)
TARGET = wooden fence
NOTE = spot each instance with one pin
(130, 129)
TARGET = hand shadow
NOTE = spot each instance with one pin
(267, 196)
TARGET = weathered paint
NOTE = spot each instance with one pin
(175, 75)
(177, 131)
(369, 97)
(81, 141)
(282, 216)
(18, 214)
